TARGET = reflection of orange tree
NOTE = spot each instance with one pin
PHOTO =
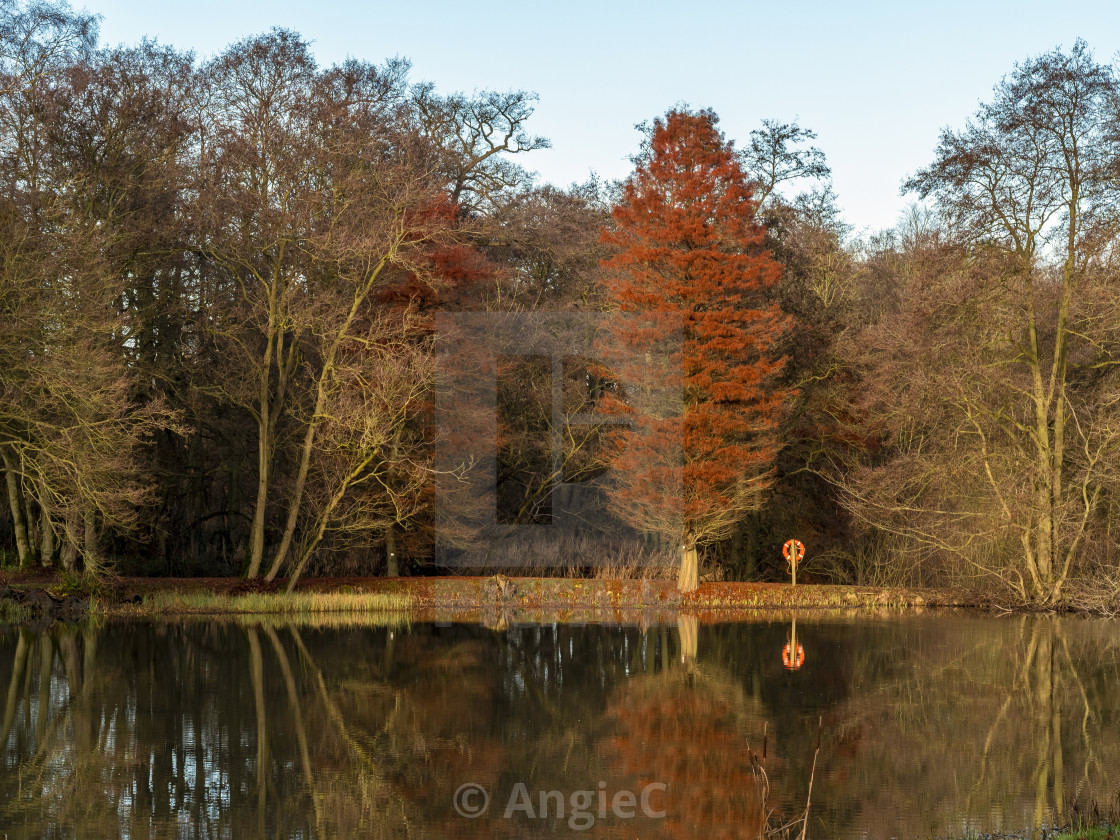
(687, 730)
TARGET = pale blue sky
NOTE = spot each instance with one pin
(876, 80)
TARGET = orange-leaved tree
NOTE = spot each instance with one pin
(696, 343)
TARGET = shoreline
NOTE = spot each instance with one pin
(495, 600)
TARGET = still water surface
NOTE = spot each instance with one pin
(931, 725)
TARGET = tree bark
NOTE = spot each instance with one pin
(73, 536)
(91, 557)
(46, 529)
(689, 577)
(11, 476)
(256, 531)
(31, 526)
(268, 415)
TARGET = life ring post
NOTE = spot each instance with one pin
(794, 552)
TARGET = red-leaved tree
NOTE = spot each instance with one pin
(698, 358)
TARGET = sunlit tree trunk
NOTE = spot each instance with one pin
(267, 412)
(689, 577)
(91, 555)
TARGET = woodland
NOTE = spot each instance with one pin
(220, 281)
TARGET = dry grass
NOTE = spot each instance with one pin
(272, 603)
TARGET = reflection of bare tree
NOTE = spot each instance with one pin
(18, 665)
(140, 737)
(256, 674)
(1046, 676)
(298, 722)
(1008, 726)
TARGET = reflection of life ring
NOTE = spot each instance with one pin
(793, 665)
(787, 549)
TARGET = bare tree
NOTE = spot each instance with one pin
(1030, 175)
(775, 156)
(474, 136)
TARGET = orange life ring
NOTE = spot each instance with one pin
(789, 544)
(793, 665)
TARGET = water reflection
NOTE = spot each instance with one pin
(932, 724)
(793, 654)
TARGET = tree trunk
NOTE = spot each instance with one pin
(392, 567)
(73, 536)
(46, 528)
(689, 577)
(31, 526)
(324, 375)
(754, 541)
(11, 476)
(91, 557)
(256, 531)
(738, 552)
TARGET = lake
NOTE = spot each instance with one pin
(929, 724)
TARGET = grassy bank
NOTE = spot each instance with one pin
(496, 599)
(269, 603)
